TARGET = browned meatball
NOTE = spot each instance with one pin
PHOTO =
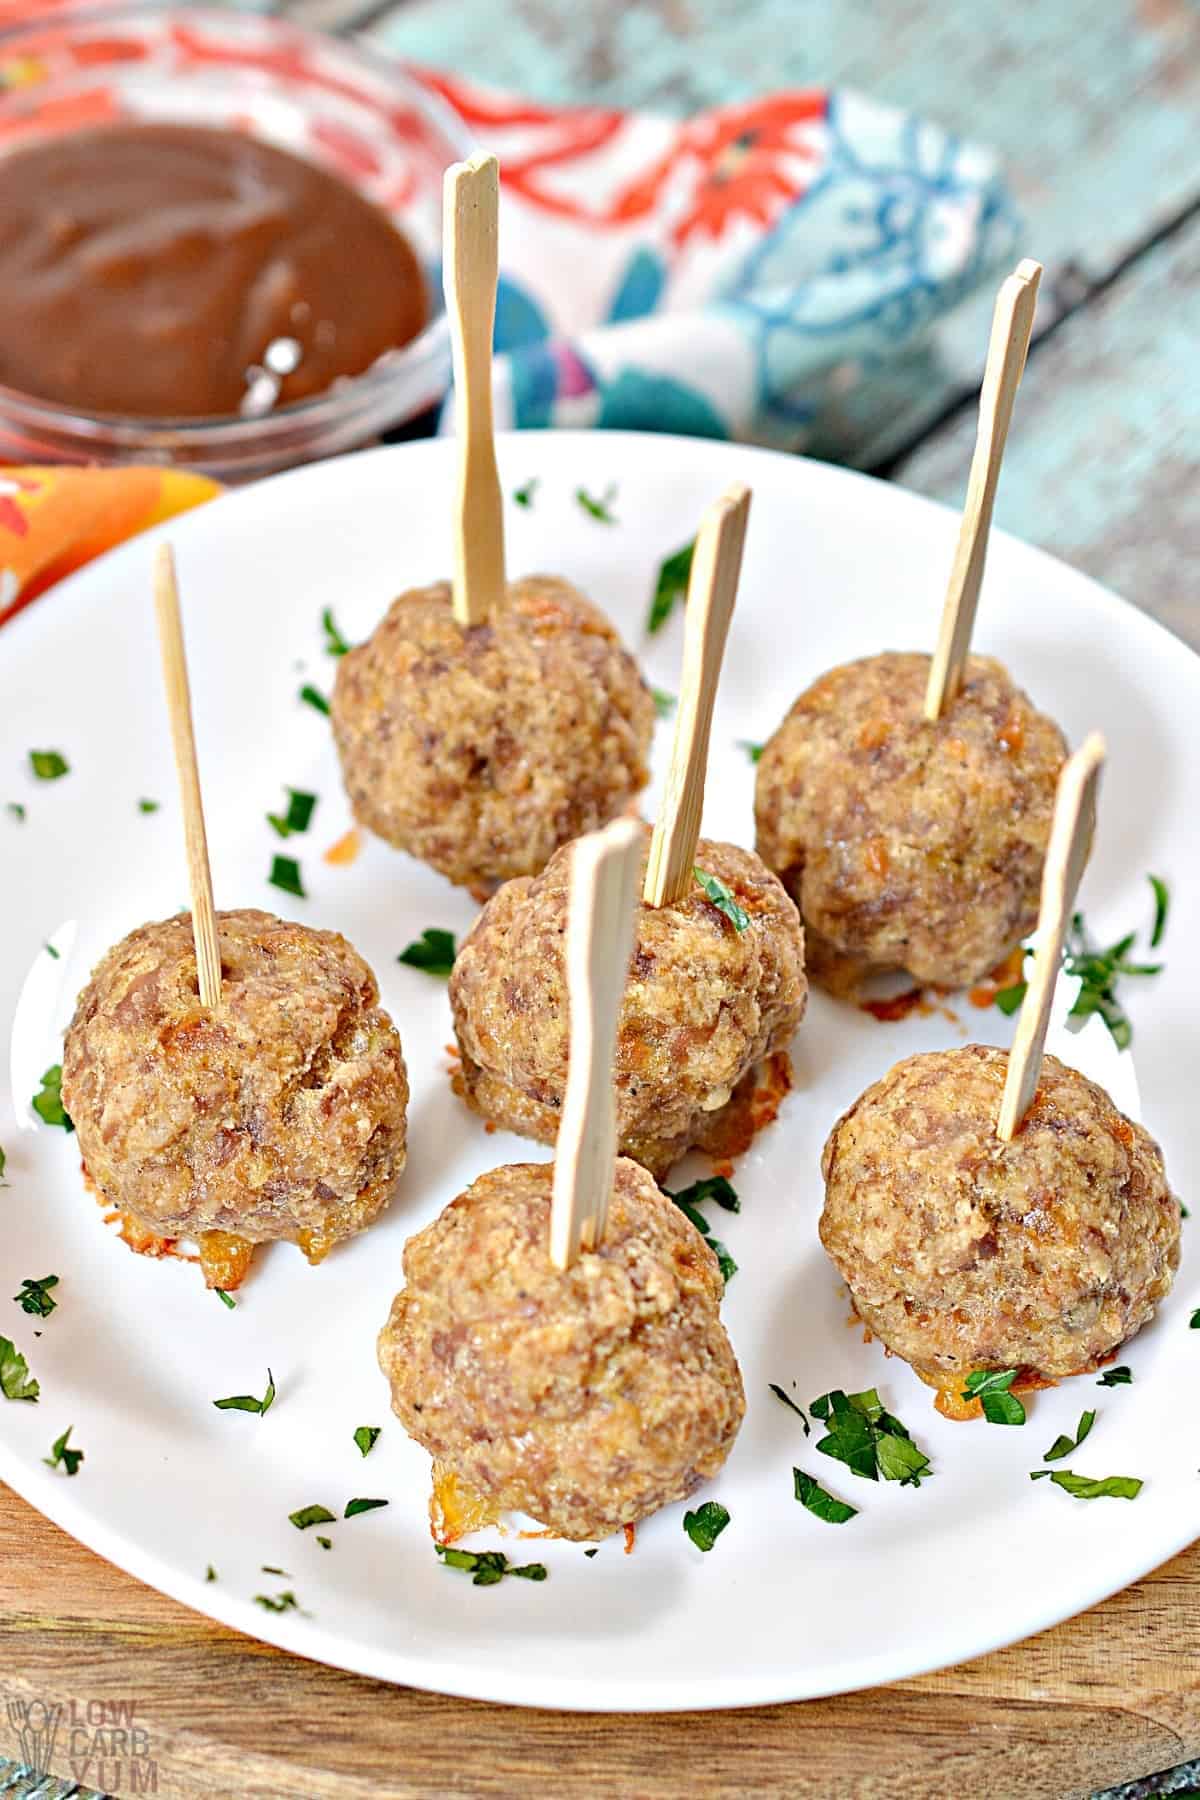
(963, 1252)
(587, 1398)
(280, 1115)
(908, 845)
(704, 1005)
(482, 751)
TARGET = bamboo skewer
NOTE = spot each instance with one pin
(179, 709)
(1012, 323)
(1066, 854)
(600, 925)
(470, 213)
(712, 590)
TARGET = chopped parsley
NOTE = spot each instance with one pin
(311, 1515)
(821, 1504)
(325, 1543)
(788, 1401)
(1162, 906)
(47, 1103)
(664, 703)
(487, 1567)
(285, 875)
(51, 951)
(16, 1383)
(705, 1525)
(671, 585)
(225, 1299)
(867, 1438)
(753, 751)
(354, 1507)
(434, 951)
(600, 509)
(592, 1551)
(313, 697)
(48, 765)
(15, 810)
(365, 1437)
(61, 1456)
(992, 1388)
(1087, 1487)
(148, 806)
(34, 1296)
(210, 1574)
(3, 1161)
(1121, 1376)
(268, 1569)
(335, 643)
(1063, 1446)
(298, 816)
(247, 1402)
(690, 1199)
(278, 1603)
(723, 900)
(523, 496)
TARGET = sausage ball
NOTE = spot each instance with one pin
(705, 1003)
(963, 1252)
(587, 1398)
(281, 1114)
(909, 845)
(481, 751)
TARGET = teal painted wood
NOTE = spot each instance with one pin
(1093, 107)
(1103, 458)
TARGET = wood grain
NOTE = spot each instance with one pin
(1109, 1696)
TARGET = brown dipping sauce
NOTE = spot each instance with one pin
(157, 271)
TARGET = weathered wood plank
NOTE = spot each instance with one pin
(1093, 109)
(1102, 460)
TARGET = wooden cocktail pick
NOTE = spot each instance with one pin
(1066, 854)
(179, 708)
(600, 923)
(1012, 323)
(712, 590)
(470, 214)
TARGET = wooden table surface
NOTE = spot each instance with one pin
(1094, 108)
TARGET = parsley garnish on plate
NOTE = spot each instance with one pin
(354, 1507)
(1063, 1446)
(298, 816)
(723, 900)
(325, 1543)
(670, 586)
(210, 1574)
(34, 1297)
(1121, 1376)
(690, 1199)
(434, 951)
(600, 509)
(148, 806)
(1088, 1487)
(311, 1515)
(487, 1567)
(365, 1437)
(705, 1525)
(335, 643)
(664, 703)
(819, 1502)
(278, 1603)
(51, 951)
(788, 1401)
(15, 810)
(3, 1162)
(313, 697)
(269, 1569)
(1162, 906)
(523, 496)
(60, 1455)
(225, 1299)
(247, 1402)
(48, 765)
(753, 751)
(992, 1388)
(867, 1438)
(47, 1102)
(285, 875)
(16, 1383)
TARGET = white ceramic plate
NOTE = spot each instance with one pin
(785, 1606)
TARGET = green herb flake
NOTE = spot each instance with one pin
(335, 643)
(870, 1440)
(1009, 999)
(1121, 1376)
(688, 1201)
(48, 765)
(1063, 1446)
(268, 1569)
(354, 1507)
(788, 1401)
(278, 1603)
(61, 1457)
(34, 1297)
(705, 1525)
(487, 1567)
(247, 1402)
(671, 586)
(664, 703)
(47, 1102)
(1099, 972)
(148, 806)
(600, 509)
(365, 1437)
(523, 496)
(434, 951)
(1162, 906)
(311, 1515)
(753, 751)
(15, 810)
(51, 951)
(1194, 1321)
(298, 816)
(821, 1504)
(285, 875)
(313, 697)
(991, 1387)
(210, 1574)
(225, 1299)
(3, 1163)
(325, 1543)
(592, 1552)
(1086, 1487)
(723, 900)
(16, 1383)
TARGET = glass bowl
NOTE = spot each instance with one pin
(358, 114)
